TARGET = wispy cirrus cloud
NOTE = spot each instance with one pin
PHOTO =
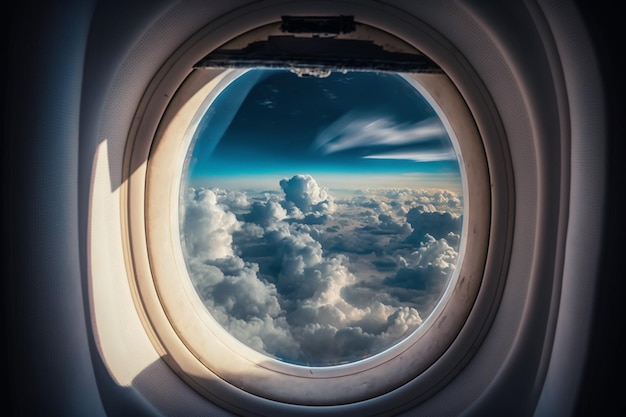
(417, 156)
(382, 137)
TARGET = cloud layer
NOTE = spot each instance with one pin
(312, 279)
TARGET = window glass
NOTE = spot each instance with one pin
(321, 216)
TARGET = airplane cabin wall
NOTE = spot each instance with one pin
(58, 79)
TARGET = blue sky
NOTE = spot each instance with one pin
(346, 129)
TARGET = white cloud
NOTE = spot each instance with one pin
(303, 192)
(264, 334)
(354, 130)
(416, 156)
(265, 214)
(317, 294)
(432, 253)
(402, 320)
(236, 201)
(242, 295)
(437, 224)
(208, 227)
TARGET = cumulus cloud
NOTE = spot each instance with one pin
(265, 214)
(387, 224)
(425, 271)
(432, 223)
(304, 194)
(285, 285)
(208, 227)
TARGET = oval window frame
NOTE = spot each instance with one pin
(307, 386)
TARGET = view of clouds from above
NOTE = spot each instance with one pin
(321, 217)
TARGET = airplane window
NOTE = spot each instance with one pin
(240, 239)
(333, 237)
(321, 217)
(313, 236)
